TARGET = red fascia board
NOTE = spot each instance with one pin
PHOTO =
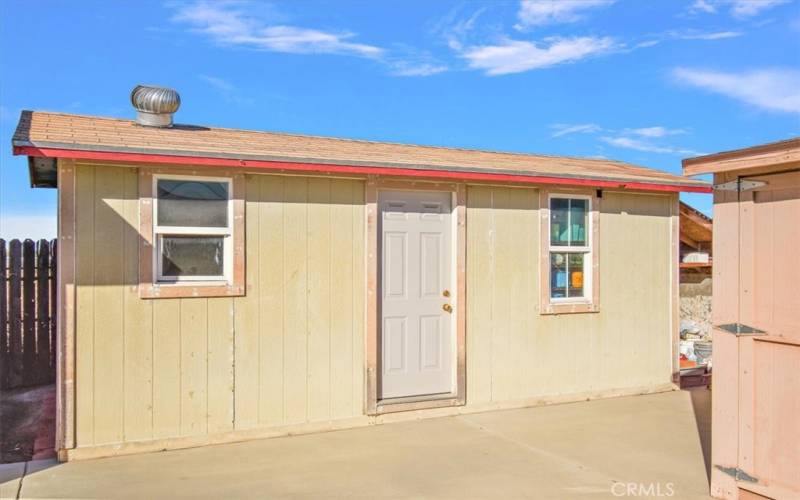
(349, 169)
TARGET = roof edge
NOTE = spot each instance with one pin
(773, 153)
(140, 155)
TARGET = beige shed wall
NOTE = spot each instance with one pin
(290, 351)
(514, 353)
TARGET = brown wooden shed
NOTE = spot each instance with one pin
(756, 316)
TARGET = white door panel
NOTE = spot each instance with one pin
(417, 355)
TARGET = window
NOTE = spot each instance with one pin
(193, 229)
(569, 253)
(195, 245)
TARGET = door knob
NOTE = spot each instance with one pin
(448, 308)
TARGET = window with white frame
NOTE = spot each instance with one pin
(570, 248)
(192, 229)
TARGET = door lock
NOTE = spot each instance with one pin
(446, 293)
(448, 308)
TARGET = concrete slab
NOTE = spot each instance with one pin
(597, 449)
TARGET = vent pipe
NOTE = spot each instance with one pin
(155, 105)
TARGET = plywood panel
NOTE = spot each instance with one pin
(138, 324)
(270, 299)
(194, 366)
(319, 299)
(342, 297)
(84, 305)
(108, 268)
(220, 364)
(480, 272)
(359, 258)
(246, 317)
(162, 368)
(166, 368)
(295, 292)
(515, 353)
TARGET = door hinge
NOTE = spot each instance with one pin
(738, 474)
(739, 185)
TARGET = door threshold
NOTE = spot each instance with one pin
(411, 403)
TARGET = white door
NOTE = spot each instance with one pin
(417, 354)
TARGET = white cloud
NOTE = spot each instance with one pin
(703, 6)
(749, 8)
(716, 35)
(406, 68)
(542, 12)
(647, 147)
(773, 89)
(562, 129)
(227, 23)
(256, 26)
(656, 131)
(516, 56)
(738, 8)
(35, 227)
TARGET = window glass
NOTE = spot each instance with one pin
(566, 275)
(577, 221)
(190, 203)
(558, 275)
(575, 275)
(192, 256)
(559, 221)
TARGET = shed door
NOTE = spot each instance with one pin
(769, 365)
(417, 341)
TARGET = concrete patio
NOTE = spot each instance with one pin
(582, 450)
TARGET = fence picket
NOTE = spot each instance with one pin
(53, 286)
(15, 313)
(42, 312)
(4, 357)
(27, 313)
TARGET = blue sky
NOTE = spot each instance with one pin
(648, 82)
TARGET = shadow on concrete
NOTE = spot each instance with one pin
(701, 403)
(27, 423)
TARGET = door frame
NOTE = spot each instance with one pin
(373, 405)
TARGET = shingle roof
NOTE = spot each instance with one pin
(89, 133)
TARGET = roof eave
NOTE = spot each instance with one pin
(139, 155)
(774, 154)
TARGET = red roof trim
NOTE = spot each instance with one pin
(350, 169)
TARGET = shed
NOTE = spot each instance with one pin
(219, 285)
(756, 334)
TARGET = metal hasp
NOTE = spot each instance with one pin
(740, 329)
(739, 185)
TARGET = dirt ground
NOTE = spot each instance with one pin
(27, 423)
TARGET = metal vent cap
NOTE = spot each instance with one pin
(155, 105)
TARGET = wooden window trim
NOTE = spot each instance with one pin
(548, 306)
(149, 288)
(374, 405)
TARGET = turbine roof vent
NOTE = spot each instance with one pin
(155, 105)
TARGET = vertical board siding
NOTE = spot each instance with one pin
(269, 236)
(513, 352)
(289, 351)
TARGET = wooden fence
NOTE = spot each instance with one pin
(27, 313)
